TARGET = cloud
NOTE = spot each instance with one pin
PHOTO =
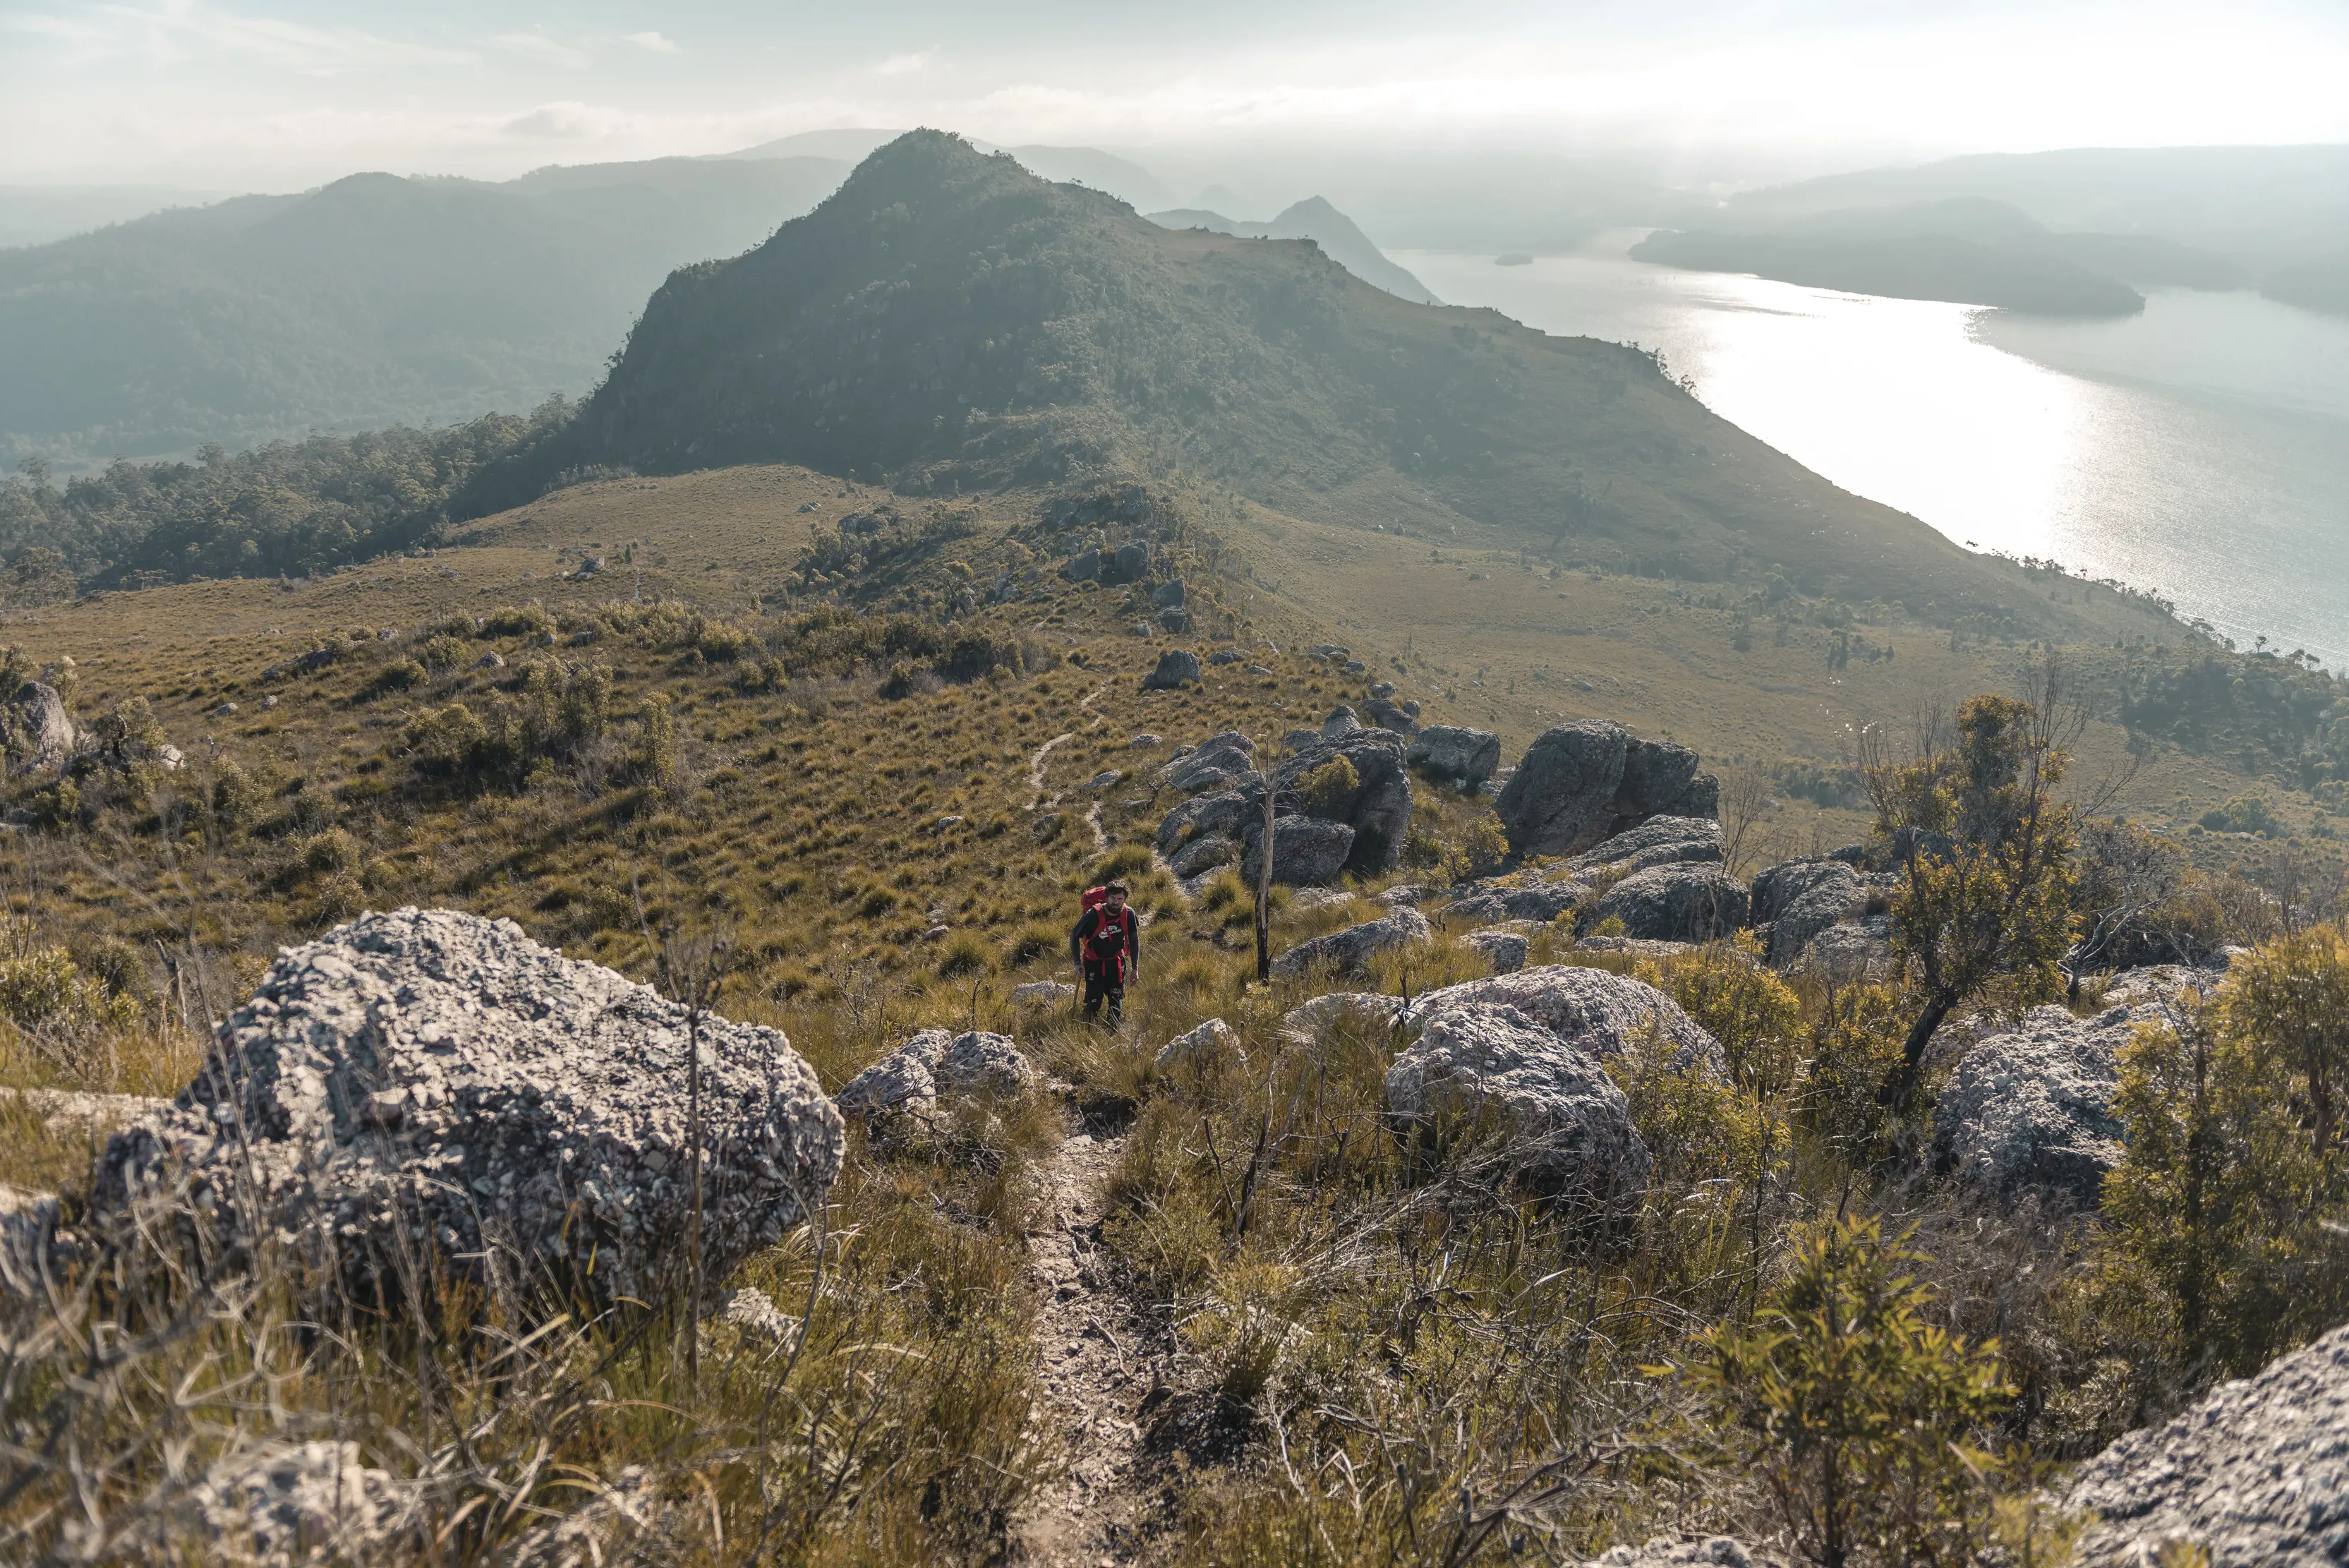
(653, 41)
(537, 46)
(568, 122)
(907, 65)
(178, 30)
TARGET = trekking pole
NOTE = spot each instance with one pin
(1264, 890)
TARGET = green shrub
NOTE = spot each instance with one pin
(965, 953)
(1478, 850)
(1327, 789)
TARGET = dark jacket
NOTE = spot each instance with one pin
(1080, 938)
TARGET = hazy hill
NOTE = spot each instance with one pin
(1901, 266)
(950, 321)
(1316, 220)
(372, 300)
(35, 214)
(1121, 177)
(2264, 207)
(2321, 283)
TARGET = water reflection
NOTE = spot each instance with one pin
(2200, 449)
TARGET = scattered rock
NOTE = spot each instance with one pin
(1307, 852)
(1203, 854)
(1505, 950)
(81, 1114)
(1350, 951)
(1082, 568)
(1206, 1042)
(1456, 754)
(1318, 898)
(2256, 1473)
(1378, 808)
(1295, 740)
(754, 1312)
(1176, 666)
(1571, 1126)
(1542, 901)
(29, 1226)
(1340, 722)
(1257, 669)
(1130, 564)
(1176, 621)
(1386, 715)
(1659, 841)
(1383, 688)
(1714, 1551)
(1221, 813)
(978, 1064)
(1223, 656)
(1306, 1020)
(1169, 594)
(1100, 781)
(1852, 952)
(281, 1505)
(1602, 1014)
(1682, 902)
(225, 710)
(1402, 895)
(898, 1081)
(1146, 740)
(1043, 993)
(1799, 899)
(267, 703)
(1223, 758)
(491, 660)
(2033, 1110)
(429, 1073)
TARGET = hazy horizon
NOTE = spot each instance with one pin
(1722, 94)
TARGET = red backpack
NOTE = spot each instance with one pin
(1107, 942)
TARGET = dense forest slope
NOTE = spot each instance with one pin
(373, 300)
(949, 321)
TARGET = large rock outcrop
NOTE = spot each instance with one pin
(1579, 783)
(2257, 1474)
(1659, 841)
(1307, 852)
(35, 729)
(1680, 901)
(1378, 808)
(1176, 666)
(1349, 951)
(1602, 1014)
(1795, 901)
(430, 1082)
(2031, 1110)
(1218, 763)
(1569, 1128)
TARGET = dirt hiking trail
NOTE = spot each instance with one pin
(1102, 1366)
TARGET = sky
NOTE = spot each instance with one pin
(265, 96)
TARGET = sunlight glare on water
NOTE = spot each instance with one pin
(2201, 449)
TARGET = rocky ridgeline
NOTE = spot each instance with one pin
(429, 1089)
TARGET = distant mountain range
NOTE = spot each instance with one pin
(1316, 220)
(947, 322)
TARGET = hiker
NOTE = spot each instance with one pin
(1106, 946)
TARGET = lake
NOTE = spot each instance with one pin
(2200, 449)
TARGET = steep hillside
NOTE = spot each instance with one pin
(373, 300)
(950, 321)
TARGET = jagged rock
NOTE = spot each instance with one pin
(279, 1505)
(1330, 650)
(1401, 895)
(1209, 1040)
(1715, 1551)
(1579, 783)
(1043, 993)
(1382, 688)
(898, 1081)
(1378, 806)
(1082, 568)
(1306, 1020)
(1130, 564)
(1255, 670)
(1221, 758)
(1659, 841)
(1571, 1126)
(1562, 795)
(1456, 754)
(1603, 1013)
(1851, 952)
(630, 1510)
(1799, 899)
(29, 1226)
(1307, 852)
(1204, 854)
(1386, 715)
(979, 1064)
(1543, 901)
(1340, 722)
(432, 1077)
(1223, 656)
(1100, 781)
(1176, 620)
(2159, 983)
(1318, 898)
(2033, 1110)
(1169, 594)
(1682, 902)
(1298, 740)
(1350, 951)
(2256, 1473)
(84, 1114)
(38, 733)
(1505, 950)
(1146, 740)
(489, 660)
(1220, 813)
(1176, 666)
